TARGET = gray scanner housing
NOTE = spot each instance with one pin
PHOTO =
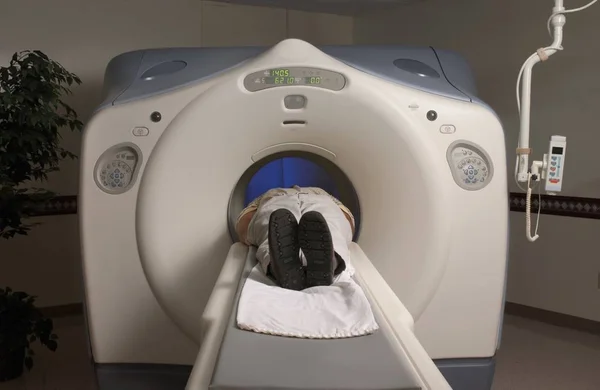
(144, 73)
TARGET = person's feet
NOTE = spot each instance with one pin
(285, 251)
(317, 246)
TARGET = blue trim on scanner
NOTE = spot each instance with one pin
(201, 63)
(379, 61)
(124, 81)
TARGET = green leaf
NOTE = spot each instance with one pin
(32, 116)
(52, 345)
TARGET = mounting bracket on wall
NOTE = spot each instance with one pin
(340, 7)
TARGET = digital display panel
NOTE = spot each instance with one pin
(316, 80)
(557, 150)
(285, 77)
(294, 76)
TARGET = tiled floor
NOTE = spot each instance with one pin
(534, 356)
(537, 356)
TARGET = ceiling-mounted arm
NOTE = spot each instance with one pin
(523, 150)
(552, 166)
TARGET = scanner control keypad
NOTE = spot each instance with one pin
(116, 174)
(116, 169)
(471, 168)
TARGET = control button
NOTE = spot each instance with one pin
(294, 102)
(432, 115)
(553, 163)
(554, 181)
(447, 129)
(553, 169)
(470, 153)
(552, 174)
(464, 152)
(140, 131)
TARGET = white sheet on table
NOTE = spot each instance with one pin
(337, 311)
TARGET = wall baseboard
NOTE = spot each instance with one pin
(70, 310)
(515, 309)
(552, 318)
(59, 205)
(567, 206)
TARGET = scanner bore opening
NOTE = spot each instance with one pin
(345, 190)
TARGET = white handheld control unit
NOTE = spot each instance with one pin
(555, 163)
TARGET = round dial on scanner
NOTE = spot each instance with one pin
(471, 167)
(117, 168)
(116, 174)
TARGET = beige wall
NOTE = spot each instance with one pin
(84, 35)
(560, 271)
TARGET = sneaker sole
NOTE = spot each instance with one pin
(317, 246)
(285, 250)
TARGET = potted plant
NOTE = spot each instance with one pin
(32, 112)
(21, 323)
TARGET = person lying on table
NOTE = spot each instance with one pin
(301, 234)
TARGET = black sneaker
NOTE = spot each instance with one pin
(317, 246)
(285, 266)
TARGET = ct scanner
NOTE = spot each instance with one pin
(413, 152)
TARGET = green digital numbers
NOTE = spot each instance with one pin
(285, 77)
(280, 72)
